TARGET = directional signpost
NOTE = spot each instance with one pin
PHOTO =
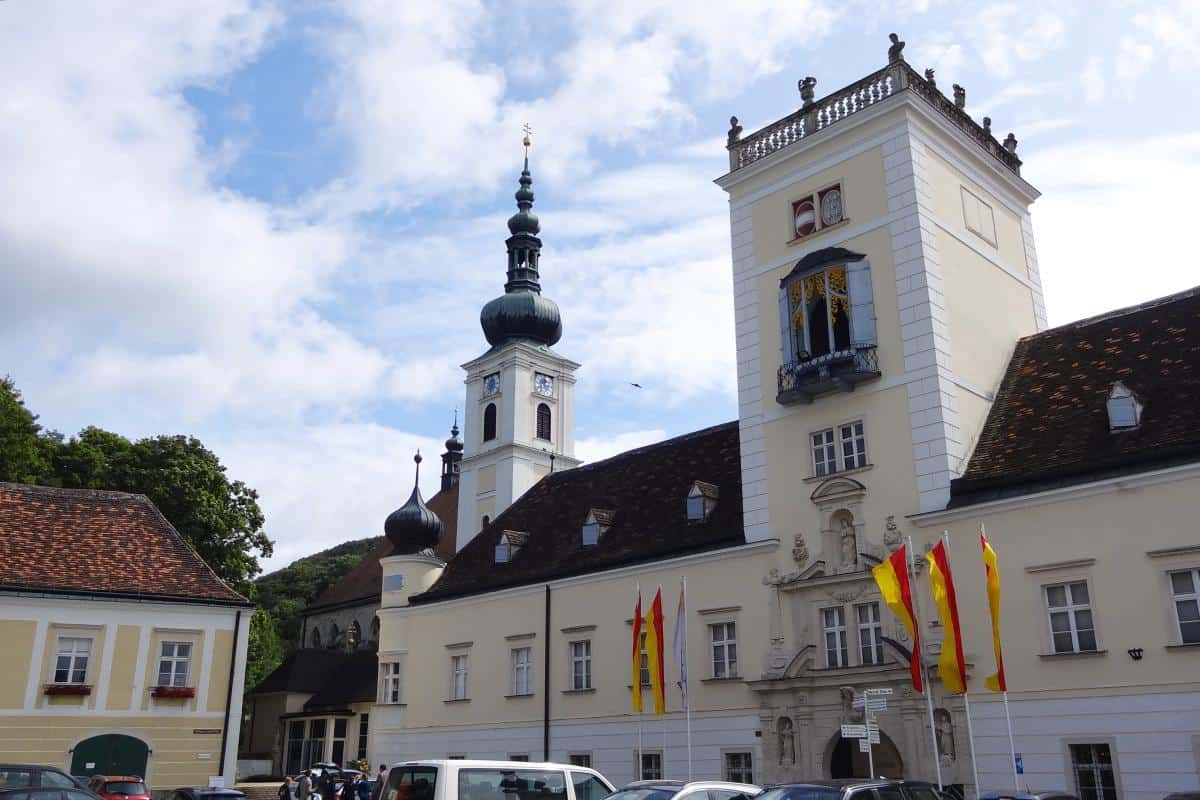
(872, 702)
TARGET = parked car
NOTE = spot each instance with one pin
(1050, 795)
(46, 793)
(1183, 796)
(204, 793)
(20, 775)
(119, 787)
(684, 790)
(853, 789)
(462, 779)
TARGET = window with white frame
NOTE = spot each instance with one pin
(458, 677)
(739, 767)
(71, 659)
(854, 445)
(870, 633)
(724, 649)
(364, 730)
(389, 682)
(1185, 592)
(522, 670)
(833, 621)
(174, 660)
(651, 768)
(818, 308)
(824, 453)
(1093, 768)
(581, 664)
(1070, 613)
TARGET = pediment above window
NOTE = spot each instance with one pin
(837, 489)
(822, 258)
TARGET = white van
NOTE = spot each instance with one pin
(462, 779)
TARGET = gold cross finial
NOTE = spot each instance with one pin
(526, 140)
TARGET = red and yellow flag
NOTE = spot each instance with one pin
(637, 654)
(951, 665)
(892, 578)
(654, 653)
(994, 682)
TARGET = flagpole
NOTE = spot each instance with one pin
(966, 701)
(937, 764)
(1012, 747)
(687, 700)
(637, 687)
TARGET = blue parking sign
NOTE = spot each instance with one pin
(1020, 764)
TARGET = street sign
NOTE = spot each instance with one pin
(864, 746)
(878, 692)
(1020, 765)
(854, 731)
(873, 736)
(876, 704)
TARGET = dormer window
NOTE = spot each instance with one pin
(701, 501)
(597, 523)
(509, 545)
(1124, 410)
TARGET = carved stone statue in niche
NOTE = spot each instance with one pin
(850, 714)
(891, 533)
(787, 742)
(799, 550)
(849, 544)
(943, 728)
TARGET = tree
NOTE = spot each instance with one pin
(23, 446)
(265, 651)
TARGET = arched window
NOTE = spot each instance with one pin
(353, 635)
(375, 630)
(315, 639)
(489, 422)
(333, 635)
(543, 421)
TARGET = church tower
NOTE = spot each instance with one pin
(519, 418)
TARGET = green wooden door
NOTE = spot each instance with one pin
(110, 754)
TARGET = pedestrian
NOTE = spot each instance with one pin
(363, 787)
(380, 780)
(304, 786)
(285, 789)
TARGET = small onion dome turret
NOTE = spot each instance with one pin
(454, 444)
(413, 528)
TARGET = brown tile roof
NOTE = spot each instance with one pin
(102, 543)
(364, 583)
(1048, 426)
(646, 487)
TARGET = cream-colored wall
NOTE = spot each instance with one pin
(222, 657)
(419, 636)
(1130, 601)
(945, 184)
(120, 689)
(18, 638)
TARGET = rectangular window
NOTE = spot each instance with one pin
(1185, 592)
(340, 726)
(173, 662)
(1093, 768)
(652, 766)
(408, 782)
(580, 760)
(458, 677)
(389, 672)
(505, 784)
(522, 666)
(1071, 627)
(854, 446)
(364, 729)
(724, 649)
(870, 634)
(834, 622)
(978, 216)
(295, 745)
(739, 767)
(581, 664)
(824, 453)
(314, 745)
(71, 659)
(518, 756)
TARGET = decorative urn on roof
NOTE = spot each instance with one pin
(413, 528)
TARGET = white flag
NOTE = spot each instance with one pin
(681, 642)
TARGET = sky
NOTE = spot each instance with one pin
(272, 224)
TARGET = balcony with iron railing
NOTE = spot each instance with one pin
(841, 370)
(894, 79)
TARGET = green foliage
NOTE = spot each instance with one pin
(284, 593)
(265, 649)
(24, 448)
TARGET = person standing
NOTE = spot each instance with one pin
(304, 786)
(285, 789)
(380, 780)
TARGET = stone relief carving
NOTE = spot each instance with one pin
(787, 742)
(799, 550)
(943, 728)
(891, 533)
(849, 543)
(850, 714)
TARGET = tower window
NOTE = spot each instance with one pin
(543, 421)
(489, 422)
(819, 313)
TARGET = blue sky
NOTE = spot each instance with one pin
(273, 224)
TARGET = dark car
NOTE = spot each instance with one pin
(680, 790)
(16, 776)
(204, 793)
(853, 789)
(47, 793)
(1055, 794)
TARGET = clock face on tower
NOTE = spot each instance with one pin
(543, 384)
(491, 384)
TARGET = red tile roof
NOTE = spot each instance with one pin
(101, 543)
(1048, 425)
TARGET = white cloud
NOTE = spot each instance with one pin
(1092, 81)
(596, 448)
(1007, 34)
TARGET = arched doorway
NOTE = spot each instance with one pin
(110, 754)
(847, 761)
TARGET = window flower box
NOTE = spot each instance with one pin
(76, 689)
(174, 692)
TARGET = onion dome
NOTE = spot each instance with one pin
(454, 444)
(412, 527)
(521, 313)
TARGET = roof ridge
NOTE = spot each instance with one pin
(1116, 313)
(683, 437)
(98, 494)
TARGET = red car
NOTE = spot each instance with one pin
(119, 787)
